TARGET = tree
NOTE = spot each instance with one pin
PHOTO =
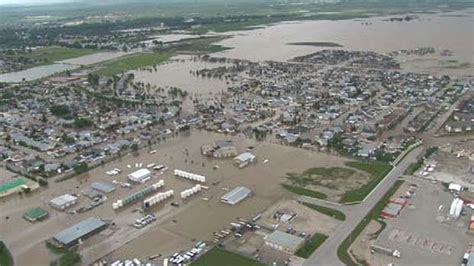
(81, 168)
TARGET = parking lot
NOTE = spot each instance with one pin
(424, 232)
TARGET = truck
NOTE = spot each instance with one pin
(387, 251)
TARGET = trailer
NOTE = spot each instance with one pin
(387, 251)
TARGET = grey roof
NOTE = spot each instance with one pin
(103, 187)
(224, 143)
(63, 199)
(78, 230)
(284, 239)
(236, 195)
(246, 156)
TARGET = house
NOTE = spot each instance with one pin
(244, 159)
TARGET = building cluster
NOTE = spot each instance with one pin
(462, 119)
(53, 126)
(330, 99)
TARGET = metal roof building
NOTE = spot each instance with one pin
(103, 187)
(283, 241)
(35, 214)
(71, 236)
(141, 175)
(236, 195)
(244, 159)
(63, 202)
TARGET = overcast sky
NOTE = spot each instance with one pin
(20, 2)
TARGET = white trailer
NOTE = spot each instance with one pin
(387, 251)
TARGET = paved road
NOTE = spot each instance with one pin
(326, 254)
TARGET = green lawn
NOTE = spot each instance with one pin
(131, 62)
(377, 170)
(327, 211)
(53, 54)
(331, 172)
(311, 245)
(305, 192)
(342, 250)
(6, 258)
(220, 257)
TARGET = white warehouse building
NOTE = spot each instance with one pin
(63, 202)
(141, 175)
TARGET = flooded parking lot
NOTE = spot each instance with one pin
(177, 227)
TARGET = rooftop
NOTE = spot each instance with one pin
(71, 234)
(284, 239)
(63, 199)
(6, 186)
(236, 195)
(246, 156)
(33, 214)
(103, 187)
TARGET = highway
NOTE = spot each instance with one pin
(326, 254)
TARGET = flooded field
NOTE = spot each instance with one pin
(177, 227)
(36, 72)
(178, 72)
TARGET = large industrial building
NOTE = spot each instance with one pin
(71, 236)
(140, 176)
(236, 195)
(63, 202)
(284, 242)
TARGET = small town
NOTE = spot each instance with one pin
(129, 139)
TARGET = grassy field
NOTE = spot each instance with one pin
(377, 170)
(318, 176)
(131, 62)
(220, 257)
(327, 211)
(5, 255)
(330, 172)
(304, 191)
(342, 250)
(311, 245)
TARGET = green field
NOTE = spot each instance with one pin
(342, 250)
(305, 192)
(377, 170)
(130, 62)
(220, 257)
(311, 245)
(327, 211)
(5, 255)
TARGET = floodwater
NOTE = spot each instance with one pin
(36, 72)
(454, 31)
(177, 73)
